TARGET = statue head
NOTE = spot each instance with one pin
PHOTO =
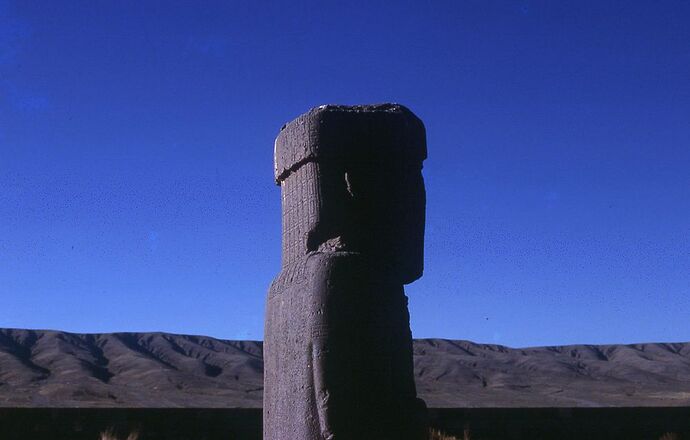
(351, 180)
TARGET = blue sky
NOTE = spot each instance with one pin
(136, 140)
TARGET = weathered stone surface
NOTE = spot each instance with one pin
(338, 347)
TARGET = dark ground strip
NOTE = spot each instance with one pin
(245, 424)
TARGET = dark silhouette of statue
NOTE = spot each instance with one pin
(338, 346)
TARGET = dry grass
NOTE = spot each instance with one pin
(438, 435)
(435, 434)
(109, 434)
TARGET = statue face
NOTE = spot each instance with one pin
(388, 205)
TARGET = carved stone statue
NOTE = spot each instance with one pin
(338, 346)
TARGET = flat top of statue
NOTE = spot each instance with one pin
(336, 133)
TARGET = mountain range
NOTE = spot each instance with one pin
(41, 368)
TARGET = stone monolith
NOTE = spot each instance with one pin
(338, 347)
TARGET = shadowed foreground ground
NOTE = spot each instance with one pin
(245, 424)
(159, 370)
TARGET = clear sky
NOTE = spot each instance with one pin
(136, 141)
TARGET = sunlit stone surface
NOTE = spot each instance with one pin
(338, 347)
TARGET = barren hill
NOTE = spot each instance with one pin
(58, 369)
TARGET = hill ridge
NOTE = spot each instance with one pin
(50, 368)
